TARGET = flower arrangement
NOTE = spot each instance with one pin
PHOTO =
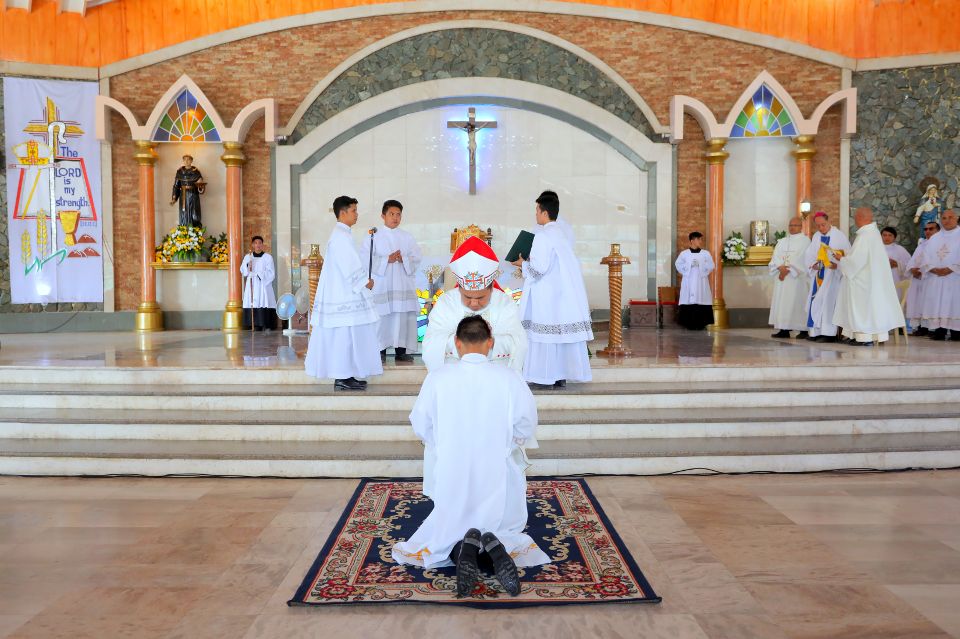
(182, 244)
(779, 235)
(734, 249)
(218, 250)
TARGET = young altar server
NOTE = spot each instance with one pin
(941, 270)
(396, 257)
(867, 304)
(562, 224)
(259, 300)
(475, 266)
(820, 259)
(695, 309)
(554, 308)
(914, 309)
(474, 419)
(343, 342)
(788, 310)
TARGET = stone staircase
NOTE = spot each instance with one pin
(657, 419)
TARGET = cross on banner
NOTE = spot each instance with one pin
(471, 126)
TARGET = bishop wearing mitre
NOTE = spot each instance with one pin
(791, 283)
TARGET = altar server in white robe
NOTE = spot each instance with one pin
(475, 266)
(554, 308)
(791, 283)
(827, 242)
(474, 419)
(941, 270)
(343, 342)
(396, 257)
(695, 307)
(867, 304)
(561, 222)
(259, 300)
(918, 280)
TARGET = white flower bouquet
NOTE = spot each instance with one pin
(734, 249)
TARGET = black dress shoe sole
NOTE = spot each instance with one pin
(503, 564)
(349, 387)
(403, 358)
(468, 571)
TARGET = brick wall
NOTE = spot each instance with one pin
(658, 62)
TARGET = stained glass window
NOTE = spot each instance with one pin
(186, 121)
(763, 116)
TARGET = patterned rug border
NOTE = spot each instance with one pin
(303, 590)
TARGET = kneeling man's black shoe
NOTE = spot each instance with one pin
(783, 334)
(468, 572)
(503, 564)
(349, 384)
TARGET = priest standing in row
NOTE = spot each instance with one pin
(867, 304)
(918, 280)
(826, 245)
(941, 271)
(791, 283)
(554, 308)
(695, 308)
(259, 300)
(343, 344)
(396, 257)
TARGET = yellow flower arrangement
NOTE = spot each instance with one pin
(182, 244)
(218, 250)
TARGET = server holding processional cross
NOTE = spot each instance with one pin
(471, 126)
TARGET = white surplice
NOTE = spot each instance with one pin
(901, 256)
(822, 300)
(394, 286)
(695, 269)
(914, 307)
(510, 340)
(554, 311)
(788, 309)
(258, 274)
(941, 293)
(343, 342)
(565, 229)
(474, 418)
(867, 304)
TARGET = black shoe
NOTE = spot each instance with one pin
(848, 340)
(922, 331)
(560, 383)
(503, 564)
(939, 335)
(349, 384)
(954, 336)
(825, 339)
(536, 386)
(400, 355)
(383, 356)
(802, 335)
(783, 334)
(468, 572)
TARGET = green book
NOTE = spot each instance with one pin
(521, 246)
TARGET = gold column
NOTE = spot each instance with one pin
(804, 154)
(149, 316)
(716, 156)
(234, 158)
(314, 264)
(615, 262)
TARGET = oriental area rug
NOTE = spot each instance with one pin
(590, 563)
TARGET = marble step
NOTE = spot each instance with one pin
(392, 425)
(402, 459)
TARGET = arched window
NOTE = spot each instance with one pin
(186, 121)
(763, 116)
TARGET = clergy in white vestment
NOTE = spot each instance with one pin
(827, 242)
(474, 419)
(343, 341)
(791, 283)
(565, 229)
(867, 305)
(914, 308)
(695, 306)
(897, 254)
(396, 257)
(259, 300)
(941, 270)
(554, 308)
(475, 267)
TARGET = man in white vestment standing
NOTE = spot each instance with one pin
(788, 310)
(259, 300)
(827, 243)
(564, 226)
(396, 257)
(474, 419)
(898, 256)
(941, 271)
(867, 304)
(914, 309)
(695, 308)
(343, 342)
(554, 308)
(476, 267)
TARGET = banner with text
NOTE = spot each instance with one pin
(53, 191)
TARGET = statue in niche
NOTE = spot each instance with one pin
(931, 206)
(188, 186)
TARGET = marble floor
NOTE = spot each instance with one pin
(748, 557)
(650, 347)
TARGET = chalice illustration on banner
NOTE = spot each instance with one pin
(69, 221)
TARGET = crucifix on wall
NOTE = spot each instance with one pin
(471, 126)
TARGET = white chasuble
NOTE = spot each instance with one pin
(824, 281)
(941, 293)
(695, 269)
(474, 418)
(258, 273)
(788, 309)
(510, 340)
(867, 304)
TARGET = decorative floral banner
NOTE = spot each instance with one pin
(53, 191)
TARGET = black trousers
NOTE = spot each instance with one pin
(262, 318)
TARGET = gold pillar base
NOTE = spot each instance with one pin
(720, 316)
(149, 318)
(233, 317)
(615, 351)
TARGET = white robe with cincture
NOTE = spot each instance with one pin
(474, 418)
(695, 269)
(788, 310)
(941, 293)
(822, 300)
(258, 274)
(394, 286)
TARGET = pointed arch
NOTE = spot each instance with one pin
(182, 102)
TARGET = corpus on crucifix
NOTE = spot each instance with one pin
(471, 126)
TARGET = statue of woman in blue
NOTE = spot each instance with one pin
(930, 206)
